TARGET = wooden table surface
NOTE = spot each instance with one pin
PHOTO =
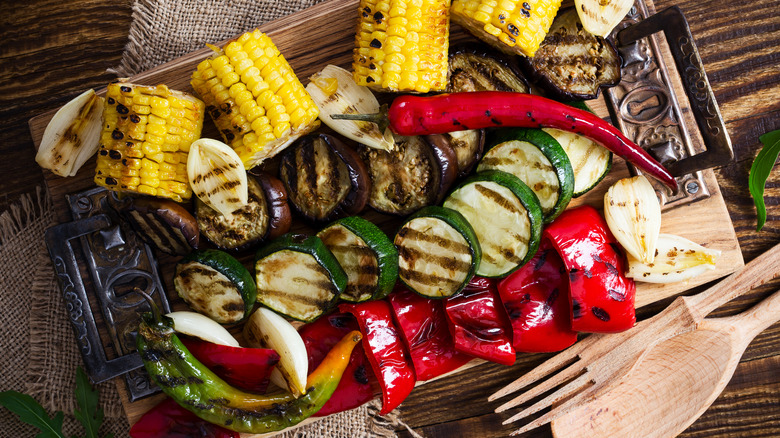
(52, 50)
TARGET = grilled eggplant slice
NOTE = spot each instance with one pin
(298, 276)
(215, 284)
(415, 174)
(266, 216)
(163, 224)
(571, 63)
(506, 217)
(367, 256)
(538, 160)
(325, 179)
(438, 252)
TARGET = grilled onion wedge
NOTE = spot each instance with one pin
(325, 179)
(599, 17)
(438, 252)
(677, 259)
(538, 160)
(506, 217)
(633, 214)
(298, 276)
(217, 175)
(367, 256)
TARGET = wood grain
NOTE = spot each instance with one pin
(50, 51)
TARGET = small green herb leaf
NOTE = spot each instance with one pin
(759, 172)
(89, 413)
(32, 413)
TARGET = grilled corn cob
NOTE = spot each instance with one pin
(145, 139)
(402, 45)
(254, 97)
(513, 26)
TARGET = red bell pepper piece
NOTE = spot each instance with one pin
(385, 351)
(245, 368)
(169, 420)
(478, 323)
(424, 331)
(602, 298)
(536, 299)
(355, 386)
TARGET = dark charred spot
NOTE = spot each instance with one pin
(228, 134)
(360, 375)
(375, 43)
(152, 355)
(117, 134)
(365, 14)
(496, 121)
(226, 108)
(372, 66)
(600, 313)
(111, 181)
(103, 152)
(125, 89)
(525, 13)
(501, 18)
(512, 29)
(135, 118)
(228, 422)
(487, 113)
(378, 17)
(552, 297)
(110, 101)
(338, 321)
(526, 6)
(171, 381)
(129, 144)
(576, 309)
(542, 260)
(116, 155)
(588, 273)
(213, 111)
(573, 275)
(124, 161)
(121, 109)
(616, 295)
(370, 79)
(455, 122)
(612, 269)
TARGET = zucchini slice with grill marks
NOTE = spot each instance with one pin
(590, 161)
(298, 276)
(215, 284)
(438, 252)
(538, 160)
(506, 217)
(367, 256)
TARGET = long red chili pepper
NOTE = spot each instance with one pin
(422, 115)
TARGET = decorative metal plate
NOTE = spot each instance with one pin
(116, 262)
(648, 111)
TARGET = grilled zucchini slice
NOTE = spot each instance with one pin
(438, 252)
(298, 276)
(506, 217)
(538, 160)
(367, 256)
(215, 284)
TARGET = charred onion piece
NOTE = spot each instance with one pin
(325, 179)
(572, 64)
(163, 224)
(415, 174)
(265, 216)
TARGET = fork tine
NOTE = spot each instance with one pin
(543, 387)
(557, 411)
(573, 386)
(547, 367)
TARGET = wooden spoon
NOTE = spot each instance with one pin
(674, 381)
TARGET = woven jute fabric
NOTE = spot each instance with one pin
(38, 353)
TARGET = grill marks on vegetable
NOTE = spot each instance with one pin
(356, 258)
(163, 236)
(245, 225)
(209, 292)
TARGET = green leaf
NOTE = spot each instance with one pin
(89, 413)
(32, 413)
(760, 170)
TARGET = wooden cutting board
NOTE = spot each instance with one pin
(324, 34)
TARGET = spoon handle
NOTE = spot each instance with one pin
(760, 270)
(759, 317)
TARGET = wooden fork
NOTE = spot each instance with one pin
(598, 361)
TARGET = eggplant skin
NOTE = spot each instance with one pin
(476, 67)
(324, 178)
(163, 224)
(279, 211)
(571, 63)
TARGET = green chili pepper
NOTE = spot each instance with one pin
(199, 390)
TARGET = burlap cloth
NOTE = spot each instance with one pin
(38, 353)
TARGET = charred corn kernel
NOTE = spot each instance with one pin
(513, 26)
(147, 128)
(254, 98)
(389, 43)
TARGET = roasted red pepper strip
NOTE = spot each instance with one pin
(422, 115)
(385, 351)
(602, 298)
(245, 368)
(536, 298)
(478, 323)
(355, 386)
(426, 335)
(169, 420)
